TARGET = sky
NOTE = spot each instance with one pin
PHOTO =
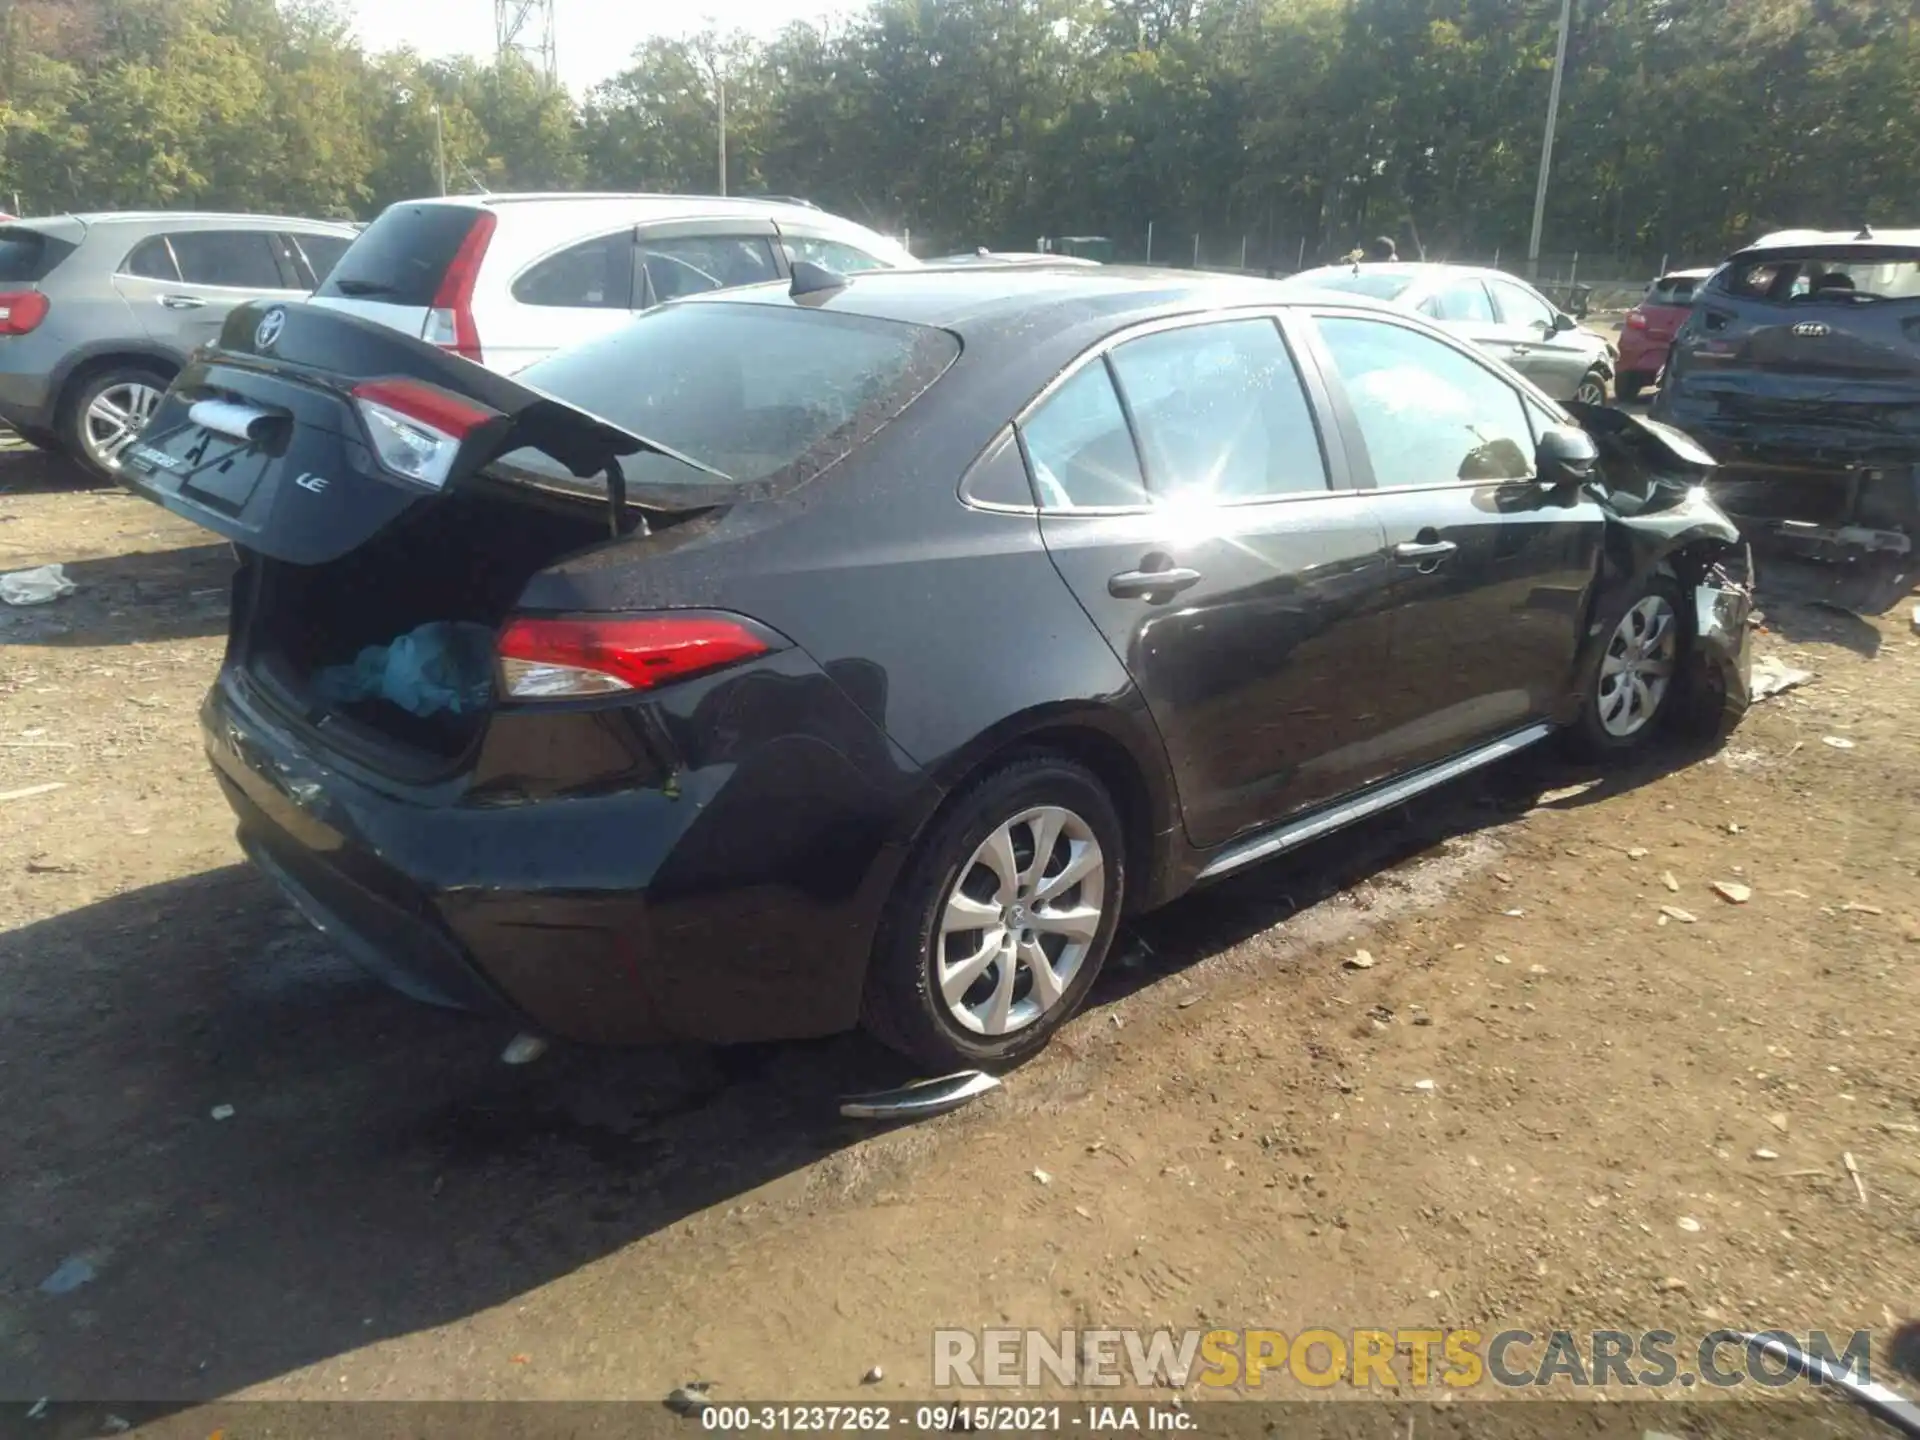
(594, 38)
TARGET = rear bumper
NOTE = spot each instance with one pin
(1640, 355)
(717, 909)
(26, 398)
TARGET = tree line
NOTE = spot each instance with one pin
(1294, 126)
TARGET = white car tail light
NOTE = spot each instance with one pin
(417, 429)
(568, 658)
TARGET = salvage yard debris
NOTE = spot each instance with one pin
(38, 586)
(1773, 676)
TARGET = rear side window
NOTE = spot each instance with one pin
(400, 258)
(1465, 301)
(322, 252)
(241, 259)
(1221, 413)
(691, 265)
(754, 391)
(27, 255)
(1079, 448)
(594, 275)
(152, 259)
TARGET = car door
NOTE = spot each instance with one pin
(1537, 347)
(1195, 504)
(582, 289)
(1492, 569)
(689, 257)
(218, 269)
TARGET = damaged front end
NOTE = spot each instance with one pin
(1654, 483)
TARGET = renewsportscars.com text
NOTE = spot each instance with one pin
(1318, 1359)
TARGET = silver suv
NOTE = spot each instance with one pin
(97, 312)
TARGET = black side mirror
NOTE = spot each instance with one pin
(1563, 322)
(1566, 457)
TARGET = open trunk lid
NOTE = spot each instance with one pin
(305, 431)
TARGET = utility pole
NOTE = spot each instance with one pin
(1546, 142)
(440, 148)
(720, 94)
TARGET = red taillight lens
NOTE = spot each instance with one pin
(450, 322)
(417, 429)
(1636, 320)
(21, 311)
(563, 658)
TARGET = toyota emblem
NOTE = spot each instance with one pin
(1811, 329)
(269, 328)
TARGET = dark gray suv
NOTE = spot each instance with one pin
(98, 312)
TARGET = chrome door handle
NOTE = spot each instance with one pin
(182, 302)
(1523, 350)
(1129, 584)
(1422, 553)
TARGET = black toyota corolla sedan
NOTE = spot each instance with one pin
(861, 651)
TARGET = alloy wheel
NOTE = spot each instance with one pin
(1019, 921)
(1638, 667)
(1592, 391)
(114, 419)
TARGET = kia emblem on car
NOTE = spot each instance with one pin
(1811, 329)
(269, 328)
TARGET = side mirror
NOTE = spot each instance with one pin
(1562, 323)
(1566, 457)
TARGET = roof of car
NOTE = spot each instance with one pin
(1832, 239)
(1700, 274)
(642, 199)
(983, 299)
(157, 217)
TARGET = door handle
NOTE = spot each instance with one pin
(1423, 553)
(1129, 584)
(1523, 350)
(182, 302)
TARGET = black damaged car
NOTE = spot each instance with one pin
(1799, 369)
(860, 652)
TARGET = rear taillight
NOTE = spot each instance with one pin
(450, 323)
(545, 659)
(1636, 320)
(417, 429)
(21, 311)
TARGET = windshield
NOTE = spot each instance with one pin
(1676, 290)
(751, 391)
(401, 258)
(1359, 282)
(1842, 276)
(27, 255)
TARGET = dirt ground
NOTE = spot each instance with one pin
(1632, 1120)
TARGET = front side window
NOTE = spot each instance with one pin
(1080, 449)
(238, 259)
(596, 274)
(1427, 414)
(829, 255)
(1520, 306)
(1221, 413)
(692, 264)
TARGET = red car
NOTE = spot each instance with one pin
(1649, 329)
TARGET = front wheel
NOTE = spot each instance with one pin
(1630, 691)
(1002, 920)
(1593, 387)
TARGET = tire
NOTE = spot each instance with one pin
(1628, 384)
(1615, 723)
(89, 429)
(1593, 387)
(906, 1006)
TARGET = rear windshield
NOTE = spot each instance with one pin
(400, 257)
(749, 390)
(27, 255)
(1673, 290)
(1810, 277)
(1360, 282)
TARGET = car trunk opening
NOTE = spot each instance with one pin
(462, 561)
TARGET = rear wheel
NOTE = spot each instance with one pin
(105, 413)
(1631, 691)
(1593, 387)
(1628, 384)
(1001, 921)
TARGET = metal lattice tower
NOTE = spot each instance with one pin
(525, 28)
